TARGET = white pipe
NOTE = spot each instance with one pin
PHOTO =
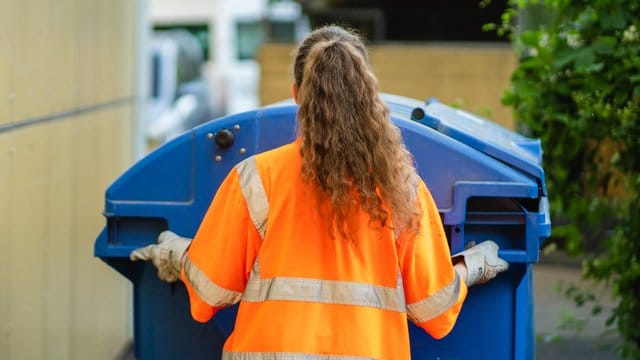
(143, 29)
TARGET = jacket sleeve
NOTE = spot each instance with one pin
(221, 255)
(433, 291)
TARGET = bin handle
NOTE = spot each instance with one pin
(463, 190)
(513, 256)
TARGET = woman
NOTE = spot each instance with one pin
(329, 242)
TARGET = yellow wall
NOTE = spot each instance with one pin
(470, 76)
(66, 112)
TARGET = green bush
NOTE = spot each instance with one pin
(577, 87)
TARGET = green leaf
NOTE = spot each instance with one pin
(564, 57)
(489, 27)
(604, 45)
(634, 49)
(610, 320)
(532, 63)
(529, 38)
(484, 3)
(593, 68)
(596, 310)
(615, 19)
(585, 57)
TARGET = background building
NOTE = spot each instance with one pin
(418, 49)
(67, 104)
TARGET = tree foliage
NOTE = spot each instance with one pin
(577, 87)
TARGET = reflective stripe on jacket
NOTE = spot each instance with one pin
(264, 242)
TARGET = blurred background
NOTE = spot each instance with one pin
(87, 87)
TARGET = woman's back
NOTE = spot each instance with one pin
(312, 293)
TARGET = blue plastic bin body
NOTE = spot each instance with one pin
(487, 181)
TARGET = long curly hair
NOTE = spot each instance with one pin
(351, 150)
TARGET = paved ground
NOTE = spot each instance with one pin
(563, 330)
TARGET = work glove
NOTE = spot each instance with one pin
(167, 256)
(482, 262)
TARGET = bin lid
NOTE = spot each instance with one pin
(488, 137)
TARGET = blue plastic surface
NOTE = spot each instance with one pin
(487, 181)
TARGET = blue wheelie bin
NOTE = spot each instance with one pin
(487, 181)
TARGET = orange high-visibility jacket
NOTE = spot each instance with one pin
(304, 294)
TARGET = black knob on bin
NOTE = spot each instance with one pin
(224, 138)
(417, 114)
